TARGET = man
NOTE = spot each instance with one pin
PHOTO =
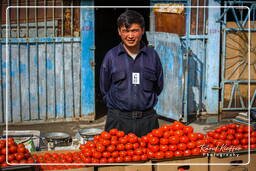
(131, 78)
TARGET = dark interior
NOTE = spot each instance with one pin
(106, 36)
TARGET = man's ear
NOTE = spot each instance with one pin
(119, 31)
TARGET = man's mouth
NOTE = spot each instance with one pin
(130, 41)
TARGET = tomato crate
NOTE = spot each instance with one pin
(182, 163)
(20, 168)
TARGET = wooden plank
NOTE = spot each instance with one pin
(1, 85)
(15, 84)
(59, 81)
(24, 82)
(68, 80)
(42, 82)
(77, 79)
(50, 64)
(3, 73)
(87, 57)
(34, 99)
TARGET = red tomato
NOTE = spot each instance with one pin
(184, 139)
(153, 140)
(188, 129)
(151, 154)
(216, 135)
(144, 139)
(120, 134)
(136, 158)
(119, 159)
(12, 149)
(199, 143)
(244, 141)
(128, 146)
(122, 140)
(228, 142)
(108, 142)
(130, 152)
(159, 155)
(253, 140)
(219, 143)
(165, 127)
(20, 156)
(135, 145)
(157, 132)
(178, 153)
(191, 145)
(233, 126)
(253, 134)
(111, 148)
(154, 148)
(235, 142)
(167, 134)
(230, 137)
(218, 130)
(115, 154)
(11, 157)
(178, 133)
(231, 131)
(224, 128)
(138, 151)
(100, 148)
(223, 136)
(174, 140)
(111, 160)
(195, 151)
(144, 157)
(193, 136)
(210, 133)
(127, 158)
(96, 154)
(239, 135)
(168, 154)
(177, 125)
(143, 144)
(3, 151)
(172, 147)
(105, 135)
(113, 131)
(187, 152)
(120, 147)
(164, 141)
(122, 153)
(133, 139)
(2, 158)
(182, 146)
(163, 148)
(200, 136)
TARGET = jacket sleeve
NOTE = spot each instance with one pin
(105, 77)
(160, 79)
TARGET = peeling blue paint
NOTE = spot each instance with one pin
(49, 64)
(22, 68)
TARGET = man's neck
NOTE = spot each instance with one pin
(133, 50)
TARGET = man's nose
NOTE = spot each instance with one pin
(130, 34)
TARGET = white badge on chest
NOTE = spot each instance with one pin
(135, 78)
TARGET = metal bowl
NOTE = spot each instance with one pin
(56, 136)
(89, 132)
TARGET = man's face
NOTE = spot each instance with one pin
(131, 36)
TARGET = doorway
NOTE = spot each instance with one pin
(106, 37)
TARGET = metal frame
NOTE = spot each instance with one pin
(240, 21)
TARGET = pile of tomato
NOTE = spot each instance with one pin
(168, 141)
(231, 135)
(17, 153)
(69, 157)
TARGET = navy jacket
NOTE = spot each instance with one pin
(116, 82)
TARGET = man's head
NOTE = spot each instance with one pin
(131, 28)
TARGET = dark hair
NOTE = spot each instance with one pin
(130, 17)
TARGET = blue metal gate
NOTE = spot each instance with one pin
(45, 74)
